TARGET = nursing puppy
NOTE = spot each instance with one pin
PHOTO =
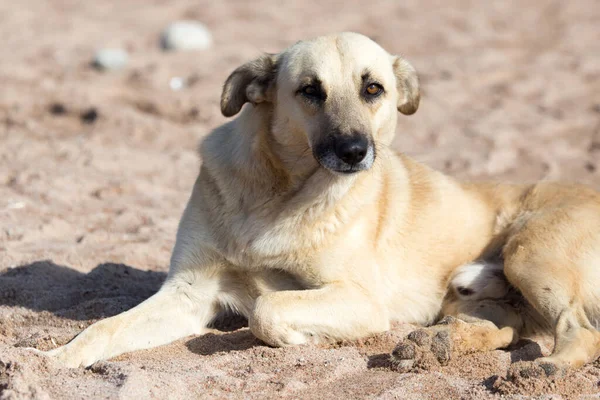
(305, 221)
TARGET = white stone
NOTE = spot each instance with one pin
(111, 59)
(186, 35)
(177, 83)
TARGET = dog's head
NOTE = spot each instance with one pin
(335, 95)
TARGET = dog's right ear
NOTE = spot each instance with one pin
(252, 82)
(407, 83)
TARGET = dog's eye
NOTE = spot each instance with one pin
(310, 91)
(374, 89)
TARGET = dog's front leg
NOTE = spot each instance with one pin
(183, 306)
(334, 312)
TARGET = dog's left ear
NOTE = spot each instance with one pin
(252, 82)
(407, 83)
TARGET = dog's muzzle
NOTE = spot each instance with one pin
(345, 154)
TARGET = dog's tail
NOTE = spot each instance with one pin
(480, 280)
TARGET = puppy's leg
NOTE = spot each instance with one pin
(333, 312)
(553, 261)
(182, 307)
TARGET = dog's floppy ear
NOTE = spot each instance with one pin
(407, 83)
(252, 82)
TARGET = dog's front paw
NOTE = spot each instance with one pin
(72, 359)
(424, 349)
(56, 355)
(67, 358)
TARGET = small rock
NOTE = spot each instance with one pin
(590, 166)
(177, 83)
(57, 109)
(15, 205)
(186, 35)
(89, 116)
(445, 75)
(110, 59)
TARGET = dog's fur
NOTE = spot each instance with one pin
(311, 248)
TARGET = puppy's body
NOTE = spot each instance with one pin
(304, 220)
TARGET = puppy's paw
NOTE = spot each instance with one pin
(425, 349)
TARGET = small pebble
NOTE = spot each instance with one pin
(110, 59)
(186, 35)
(177, 83)
(590, 166)
(57, 109)
(17, 205)
(89, 116)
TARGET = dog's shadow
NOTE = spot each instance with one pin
(105, 291)
(233, 337)
(525, 350)
(211, 343)
(381, 360)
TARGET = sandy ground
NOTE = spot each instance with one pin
(89, 206)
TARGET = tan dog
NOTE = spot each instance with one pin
(305, 221)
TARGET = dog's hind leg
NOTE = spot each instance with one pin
(183, 306)
(478, 317)
(554, 261)
(474, 326)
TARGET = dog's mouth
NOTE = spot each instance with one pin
(352, 169)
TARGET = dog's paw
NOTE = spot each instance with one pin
(71, 359)
(533, 378)
(63, 357)
(538, 369)
(56, 356)
(426, 348)
(35, 351)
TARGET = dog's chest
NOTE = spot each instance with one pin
(258, 241)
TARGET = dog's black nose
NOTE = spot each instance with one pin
(351, 150)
